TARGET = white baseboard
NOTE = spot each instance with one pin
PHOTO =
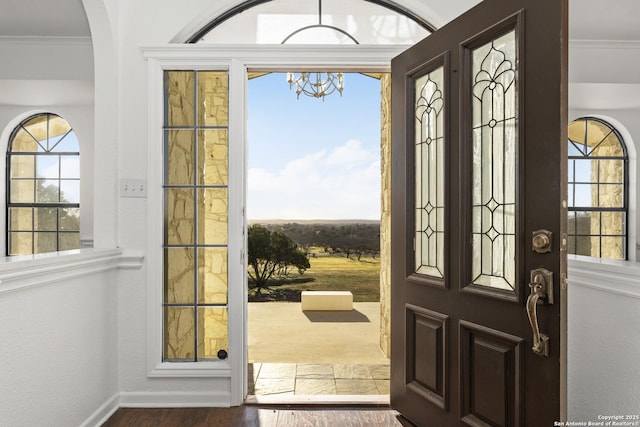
(185, 399)
(156, 400)
(103, 413)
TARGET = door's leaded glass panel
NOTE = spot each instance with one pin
(43, 188)
(196, 215)
(429, 172)
(597, 175)
(494, 118)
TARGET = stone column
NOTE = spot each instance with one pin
(385, 220)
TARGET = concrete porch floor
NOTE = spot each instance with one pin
(283, 333)
(292, 352)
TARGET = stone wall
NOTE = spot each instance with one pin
(608, 223)
(385, 220)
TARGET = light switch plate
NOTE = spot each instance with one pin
(133, 187)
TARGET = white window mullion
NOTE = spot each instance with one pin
(237, 231)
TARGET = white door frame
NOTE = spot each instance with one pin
(237, 59)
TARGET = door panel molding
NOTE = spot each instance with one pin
(427, 371)
(491, 376)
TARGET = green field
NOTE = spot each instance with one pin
(328, 273)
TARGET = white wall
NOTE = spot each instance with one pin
(604, 320)
(54, 76)
(59, 330)
(604, 296)
(604, 81)
(59, 338)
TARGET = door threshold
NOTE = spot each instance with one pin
(320, 400)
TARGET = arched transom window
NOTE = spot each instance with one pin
(315, 22)
(598, 194)
(43, 191)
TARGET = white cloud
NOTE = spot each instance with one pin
(351, 153)
(341, 184)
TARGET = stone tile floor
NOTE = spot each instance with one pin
(286, 379)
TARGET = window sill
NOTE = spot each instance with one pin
(618, 277)
(20, 272)
(191, 369)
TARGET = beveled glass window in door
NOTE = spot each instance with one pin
(196, 136)
(597, 175)
(429, 172)
(43, 191)
(494, 118)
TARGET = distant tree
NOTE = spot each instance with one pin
(48, 217)
(347, 238)
(270, 252)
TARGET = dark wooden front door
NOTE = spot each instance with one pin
(478, 182)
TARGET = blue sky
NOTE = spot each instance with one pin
(310, 159)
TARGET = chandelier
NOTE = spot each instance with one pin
(316, 84)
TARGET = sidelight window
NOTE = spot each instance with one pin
(196, 135)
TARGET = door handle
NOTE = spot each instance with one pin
(541, 292)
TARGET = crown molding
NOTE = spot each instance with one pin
(44, 40)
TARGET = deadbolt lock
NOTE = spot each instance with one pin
(541, 241)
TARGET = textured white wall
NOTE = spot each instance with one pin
(59, 351)
(604, 320)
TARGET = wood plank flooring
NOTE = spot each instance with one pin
(258, 416)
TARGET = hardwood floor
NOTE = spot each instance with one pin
(258, 416)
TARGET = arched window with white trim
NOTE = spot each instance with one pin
(43, 186)
(373, 22)
(598, 190)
